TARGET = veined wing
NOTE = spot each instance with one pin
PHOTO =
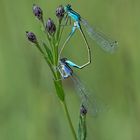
(92, 104)
(103, 41)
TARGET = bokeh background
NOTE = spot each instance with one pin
(29, 107)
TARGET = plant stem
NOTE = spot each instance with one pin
(69, 120)
(58, 86)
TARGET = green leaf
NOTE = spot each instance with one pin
(49, 53)
(59, 90)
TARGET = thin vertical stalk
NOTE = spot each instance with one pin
(69, 120)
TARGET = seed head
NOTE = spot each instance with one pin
(83, 110)
(38, 12)
(60, 12)
(31, 37)
(50, 27)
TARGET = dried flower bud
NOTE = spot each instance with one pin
(83, 110)
(50, 27)
(38, 12)
(31, 37)
(60, 12)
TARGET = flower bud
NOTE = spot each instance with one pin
(50, 26)
(31, 37)
(83, 110)
(38, 12)
(60, 12)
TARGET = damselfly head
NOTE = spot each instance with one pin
(67, 7)
(63, 60)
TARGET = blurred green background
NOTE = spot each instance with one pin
(29, 107)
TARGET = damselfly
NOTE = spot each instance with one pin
(87, 100)
(103, 41)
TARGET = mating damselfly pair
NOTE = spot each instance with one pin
(65, 65)
(102, 40)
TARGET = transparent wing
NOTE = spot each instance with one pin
(103, 41)
(92, 104)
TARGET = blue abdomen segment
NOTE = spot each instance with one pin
(75, 16)
(70, 63)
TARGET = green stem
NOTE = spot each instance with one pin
(69, 120)
(54, 43)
